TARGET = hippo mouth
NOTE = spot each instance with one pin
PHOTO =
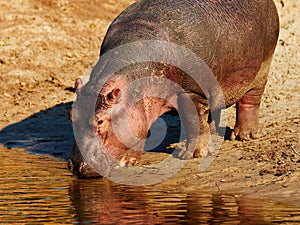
(79, 167)
(82, 170)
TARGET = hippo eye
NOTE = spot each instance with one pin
(99, 122)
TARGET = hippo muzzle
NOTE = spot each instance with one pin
(79, 167)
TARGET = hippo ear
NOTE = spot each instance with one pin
(78, 85)
(114, 95)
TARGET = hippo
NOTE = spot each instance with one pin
(236, 40)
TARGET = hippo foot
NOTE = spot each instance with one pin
(130, 158)
(196, 148)
(243, 134)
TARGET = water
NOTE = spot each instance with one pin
(37, 189)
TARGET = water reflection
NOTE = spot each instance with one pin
(33, 189)
(36, 189)
(102, 202)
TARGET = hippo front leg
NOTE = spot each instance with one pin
(196, 125)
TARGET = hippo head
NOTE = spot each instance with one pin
(105, 131)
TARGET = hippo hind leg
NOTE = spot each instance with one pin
(247, 110)
(247, 117)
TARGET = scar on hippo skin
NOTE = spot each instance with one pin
(78, 85)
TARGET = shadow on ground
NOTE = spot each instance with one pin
(46, 132)
(50, 132)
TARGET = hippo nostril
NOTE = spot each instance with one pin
(82, 167)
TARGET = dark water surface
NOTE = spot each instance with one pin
(37, 189)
